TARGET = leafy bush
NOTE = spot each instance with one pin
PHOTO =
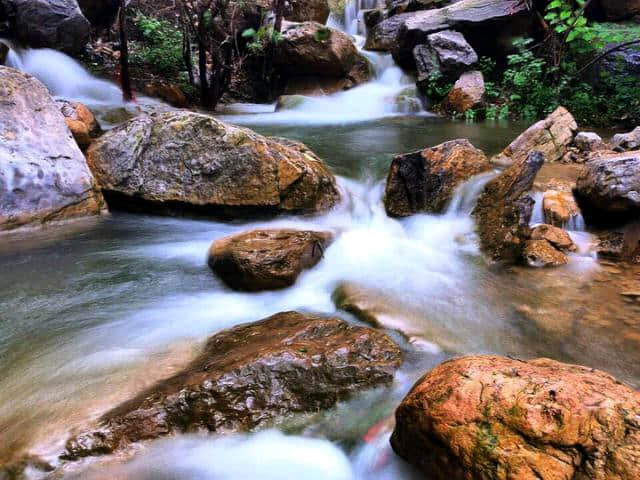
(161, 49)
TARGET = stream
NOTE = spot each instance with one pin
(94, 311)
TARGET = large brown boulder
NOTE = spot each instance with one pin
(43, 174)
(610, 185)
(192, 162)
(266, 259)
(424, 181)
(550, 136)
(467, 92)
(491, 418)
(57, 24)
(310, 48)
(248, 376)
(308, 10)
(620, 9)
(504, 209)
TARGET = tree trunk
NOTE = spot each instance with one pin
(125, 78)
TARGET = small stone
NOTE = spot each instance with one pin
(589, 142)
(555, 236)
(540, 253)
(466, 93)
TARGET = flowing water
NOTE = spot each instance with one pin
(95, 311)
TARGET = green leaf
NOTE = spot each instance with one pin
(249, 33)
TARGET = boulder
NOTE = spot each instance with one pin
(490, 417)
(43, 174)
(609, 185)
(169, 92)
(466, 93)
(312, 49)
(626, 141)
(559, 208)
(308, 10)
(4, 53)
(266, 259)
(424, 181)
(101, 13)
(81, 122)
(248, 376)
(185, 161)
(541, 253)
(550, 136)
(620, 9)
(57, 24)
(504, 209)
(471, 14)
(453, 53)
(589, 142)
(383, 35)
(555, 236)
(401, 6)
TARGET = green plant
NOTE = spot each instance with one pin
(161, 48)
(437, 87)
(261, 38)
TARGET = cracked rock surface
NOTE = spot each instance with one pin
(490, 417)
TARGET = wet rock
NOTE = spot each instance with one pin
(401, 6)
(57, 24)
(541, 253)
(424, 181)
(620, 9)
(4, 52)
(310, 48)
(472, 14)
(559, 207)
(550, 136)
(80, 121)
(183, 161)
(466, 93)
(266, 259)
(446, 53)
(589, 142)
(504, 209)
(308, 10)
(166, 91)
(101, 13)
(249, 376)
(611, 245)
(610, 185)
(557, 237)
(626, 141)
(383, 35)
(43, 174)
(492, 417)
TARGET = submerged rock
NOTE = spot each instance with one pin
(266, 259)
(57, 24)
(312, 49)
(187, 161)
(550, 136)
(43, 174)
(466, 93)
(610, 185)
(492, 417)
(80, 121)
(504, 209)
(249, 376)
(424, 181)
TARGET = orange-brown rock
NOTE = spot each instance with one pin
(305, 10)
(554, 235)
(166, 91)
(541, 253)
(424, 181)
(184, 161)
(495, 418)
(504, 209)
(551, 136)
(266, 259)
(559, 207)
(80, 121)
(248, 376)
(466, 93)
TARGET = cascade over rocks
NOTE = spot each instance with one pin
(57, 24)
(446, 53)
(43, 174)
(609, 186)
(424, 181)
(248, 376)
(266, 259)
(312, 49)
(466, 93)
(187, 161)
(490, 417)
(504, 209)
(551, 136)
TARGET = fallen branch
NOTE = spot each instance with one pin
(606, 53)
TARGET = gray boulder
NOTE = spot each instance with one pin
(57, 24)
(446, 53)
(626, 141)
(589, 142)
(43, 174)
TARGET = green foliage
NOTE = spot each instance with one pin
(322, 34)
(568, 21)
(259, 40)
(437, 87)
(161, 48)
